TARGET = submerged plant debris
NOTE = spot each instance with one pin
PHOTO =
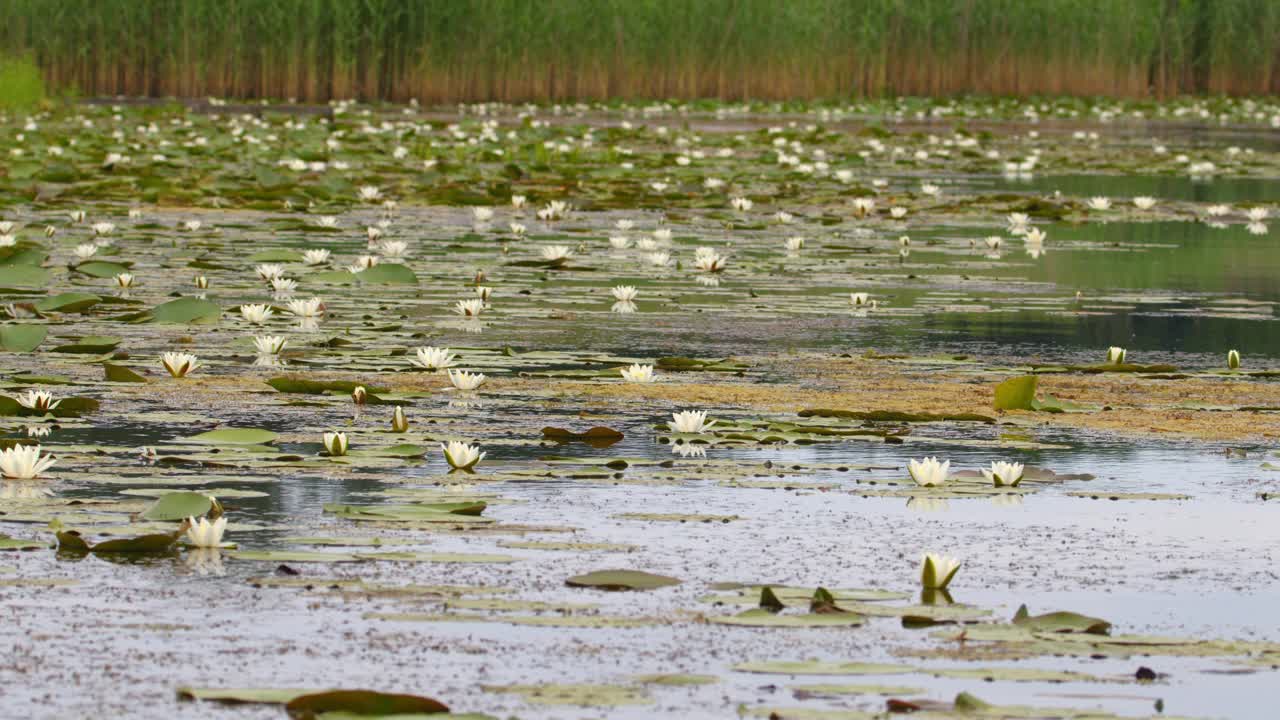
(620, 411)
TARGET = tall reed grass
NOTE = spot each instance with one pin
(515, 50)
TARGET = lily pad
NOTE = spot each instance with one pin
(621, 580)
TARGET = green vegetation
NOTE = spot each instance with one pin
(21, 86)
(513, 50)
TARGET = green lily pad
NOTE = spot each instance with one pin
(178, 506)
(234, 436)
(621, 580)
(21, 338)
(1017, 393)
(68, 303)
(187, 310)
(364, 703)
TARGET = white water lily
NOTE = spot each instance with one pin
(1256, 228)
(708, 260)
(335, 443)
(1035, 236)
(283, 286)
(469, 308)
(623, 307)
(1018, 223)
(690, 421)
(1218, 210)
(192, 225)
(930, 189)
(481, 214)
(936, 571)
(1257, 214)
(784, 217)
(624, 293)
(124, 280)
(556, 253)
(518, 229)
(619, 242)
(269, 344)
(327, 221)
(638, 373)
(518, 201)
(399, 422)
(859, 299)
(863, 207)
(1116, 355)
(741, 204)
(256, 314)
(312, 308)
(77, 216)
(1004, 474)
(179, 364)
(205, 534)
(1144, 202)
(1233, 359)
(369, 193)
(38, 400)
(373, 234)
(24, 462)
(435, 358)
(897, 212)
(466, 381)
(484, 292)
(316, 256)
(103, 228)
(1099, 203)
(460, 455)
(659, 259)
(929, 472)
(662, 235)
(84, 251)
(794, 243)
(269, 271)
(394, 249)
(201, 282)
(993, 242)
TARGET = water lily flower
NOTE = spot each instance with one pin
(1035, 236)
(859, 299)
(179, 364)
(662, 235)
(202, 282)
(930, 189)
(124, 280)
(518, 229)
(460, 455)
(312, 308)
(623, 307)
(269, 271)
(1099, 203)
(38, 400)
(659, 259)
(269, 344)
(373, 234)
(993, 242)
(690, 421)
(1004, 474)
(741, 204)
(557, 254)
(327, 221)
(434, 358)
(1018, 223)
(335, 443)
(369, 193)
(466, 381)
(484, 292)
(518, 201)
(77, 216)
(1218, 210)
(929, 472)
(1144, 202)
(84, 251)
(638, 373)
(794, 243)
(897, 212)
(469, 308)
(256, 314)
(481, 214)
(103, 228)
(399, 423)
(1256, 228)
(1257, 214)
(863, 207)
(317, 256)
(23, 462)
(205, 534)
(192, 225)
(359, 395)
(1116, 355)
(936, 571)
(624, 224)
(624, 293)
(283, 286)
(708, 260)
(1233, 359)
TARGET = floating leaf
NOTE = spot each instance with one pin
(363, 703)
(1061, 622)
(178, 506)
(387, 274)
(21, 338)
(1017, 393)
(120, 373)
(68, 303)
(185, 311)
(621, 580)
(234, 436)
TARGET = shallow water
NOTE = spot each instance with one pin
(1167, 285)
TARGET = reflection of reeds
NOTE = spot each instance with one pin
(445, 50)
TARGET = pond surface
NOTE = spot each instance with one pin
(381, 569)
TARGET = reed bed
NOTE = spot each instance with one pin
(541, 50)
